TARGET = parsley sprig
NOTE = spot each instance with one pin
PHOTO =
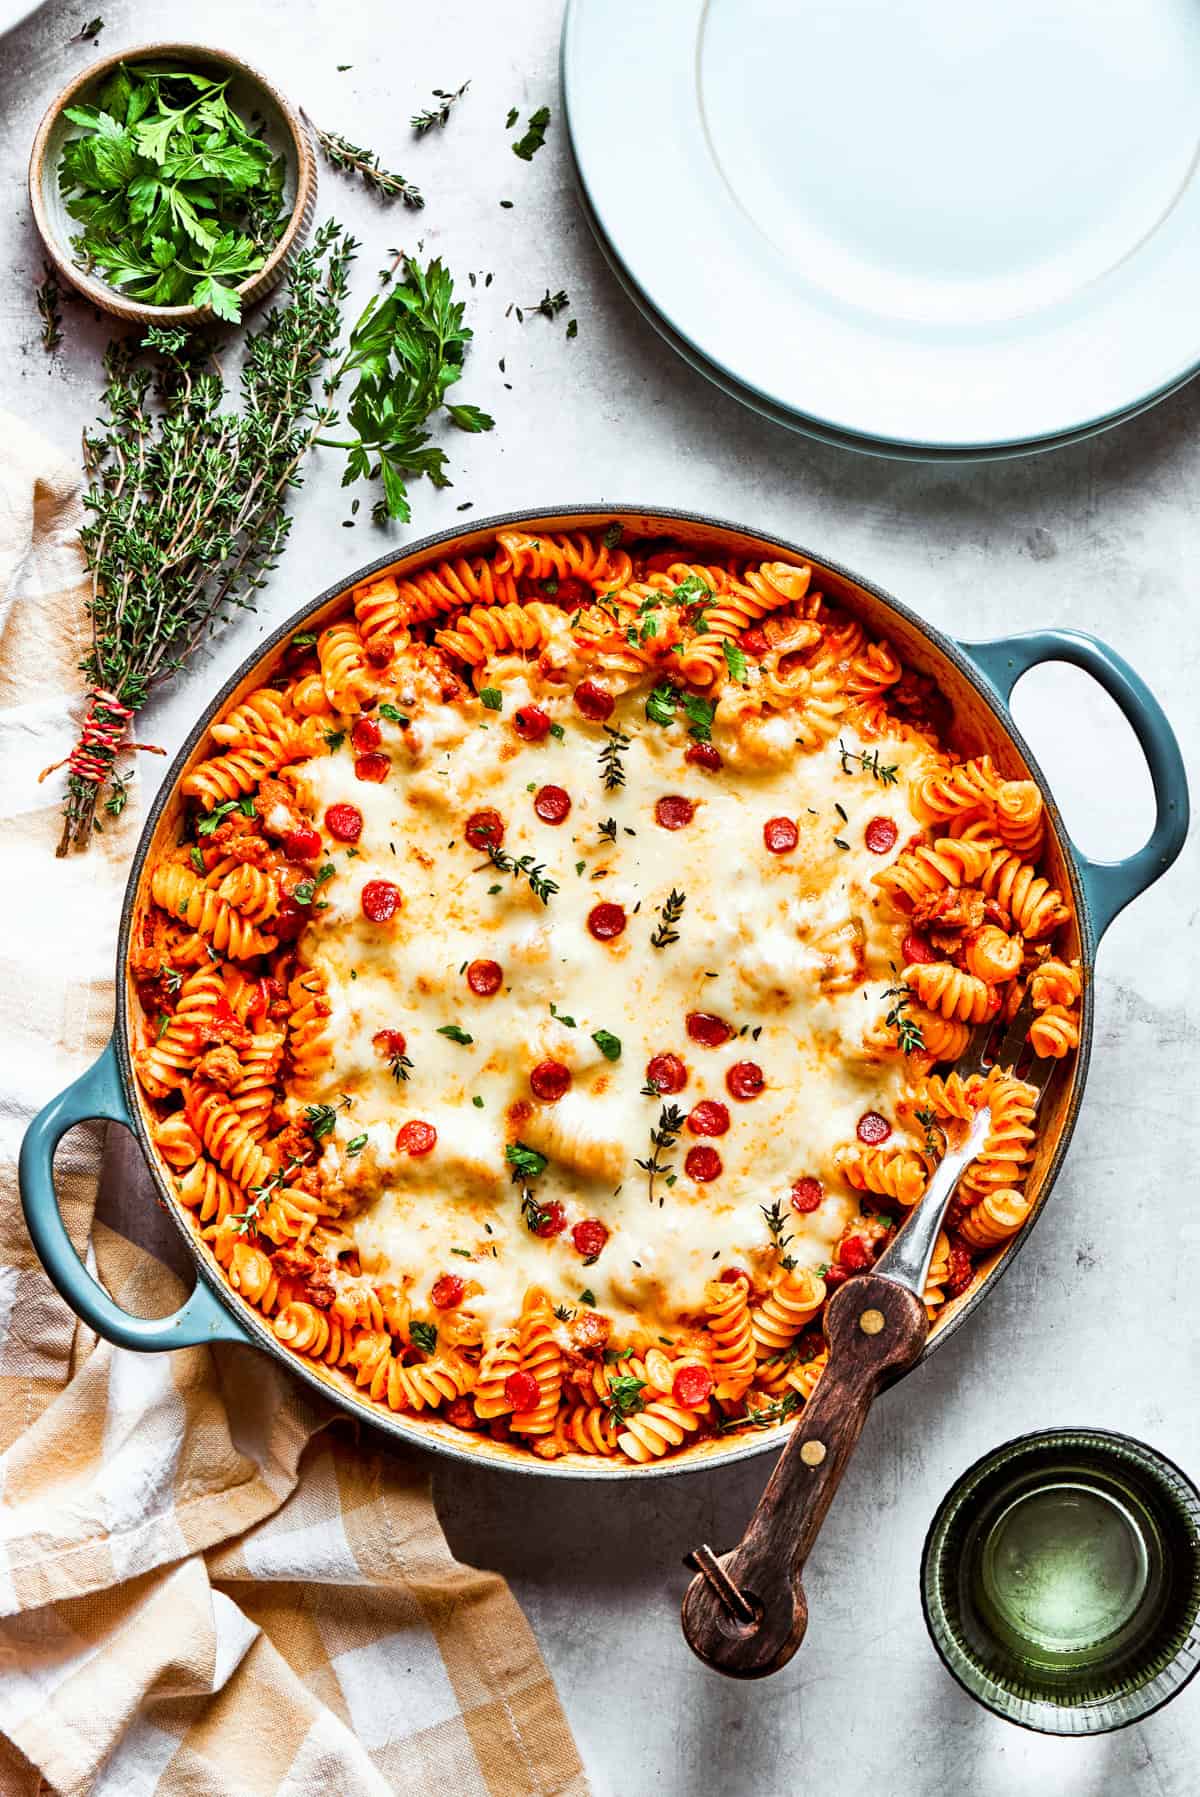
(407, 352)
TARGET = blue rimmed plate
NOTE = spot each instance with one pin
(925, 229)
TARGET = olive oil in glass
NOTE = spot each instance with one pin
(1061, 1581)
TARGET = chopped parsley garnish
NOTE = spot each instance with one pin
(557, 731)
(335, 739)
(424, 1336)
(625, 1396)
(561, 1016)
(612, 536)
(455, 1034)
(735, 660)
(394, 717)
(206, 825)
(526, 1163)
(660, 705)
(527, 146)
(356, 1145)
(197, 860)
(608, 1044)
(304, 640)
(492, 698)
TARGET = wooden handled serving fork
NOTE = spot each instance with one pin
(745, 1612)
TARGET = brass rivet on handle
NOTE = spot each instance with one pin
(871, 1322)
(812, 1452)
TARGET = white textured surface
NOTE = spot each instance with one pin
(1096, 1324)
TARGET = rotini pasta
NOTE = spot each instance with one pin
(548, 997)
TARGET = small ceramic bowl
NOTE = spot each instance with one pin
(250, 92)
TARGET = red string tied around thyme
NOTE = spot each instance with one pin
(104, 726)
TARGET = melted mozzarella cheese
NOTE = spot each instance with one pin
(794, 951)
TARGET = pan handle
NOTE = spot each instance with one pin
(99, 1093)
(1109, 885)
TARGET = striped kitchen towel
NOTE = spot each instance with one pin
(210, 1582)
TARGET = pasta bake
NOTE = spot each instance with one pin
(552, 997)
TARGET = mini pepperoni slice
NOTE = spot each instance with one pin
(389, 1043)
(550, 1081)
(416, 1137)
(692, 1386)
(366, 734)
(552, 804)
(531, 723)
(873, 1129)
(917, 950)
(345, 822)
(780, 835)
(522, 1391)
(290, 919)
(552, 1219)
(303, 844)
(380, 900)
(702, 1164)
(485, 978)
(447, 1291)
(374, 768)
(593, 701)
(589, 1237)
(674, 812)
(705, 756)
(854, 1253)
(744, 1080)
(485, 829)
(708, 1118)
(702, 1026)
(880, 835)
(807, 1195)
(606, 921)
(666, 1073)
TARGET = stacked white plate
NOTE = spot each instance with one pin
(926, 228)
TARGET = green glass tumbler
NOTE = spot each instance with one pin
(1060, 1581)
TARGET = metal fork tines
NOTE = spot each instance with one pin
(907, 1259)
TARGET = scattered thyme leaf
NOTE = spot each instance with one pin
(527, 146)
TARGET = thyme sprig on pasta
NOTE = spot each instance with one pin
(663, 1138)
(664, 930)
(908, 1032)
(766, 1415)
(524, 867)
(886, 776)
(777, 1224)
(611, 765)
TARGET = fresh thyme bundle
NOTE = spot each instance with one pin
(179, 197)
(188, 501)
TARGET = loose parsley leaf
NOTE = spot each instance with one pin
(456, 1034)
(356, 1145)
(526, 1163)
(608, 1044)
(526, 147)
(660, 705)
(424, 1336)
(735, 660)
(625, 1396)
(394, 717)
(492, 698)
